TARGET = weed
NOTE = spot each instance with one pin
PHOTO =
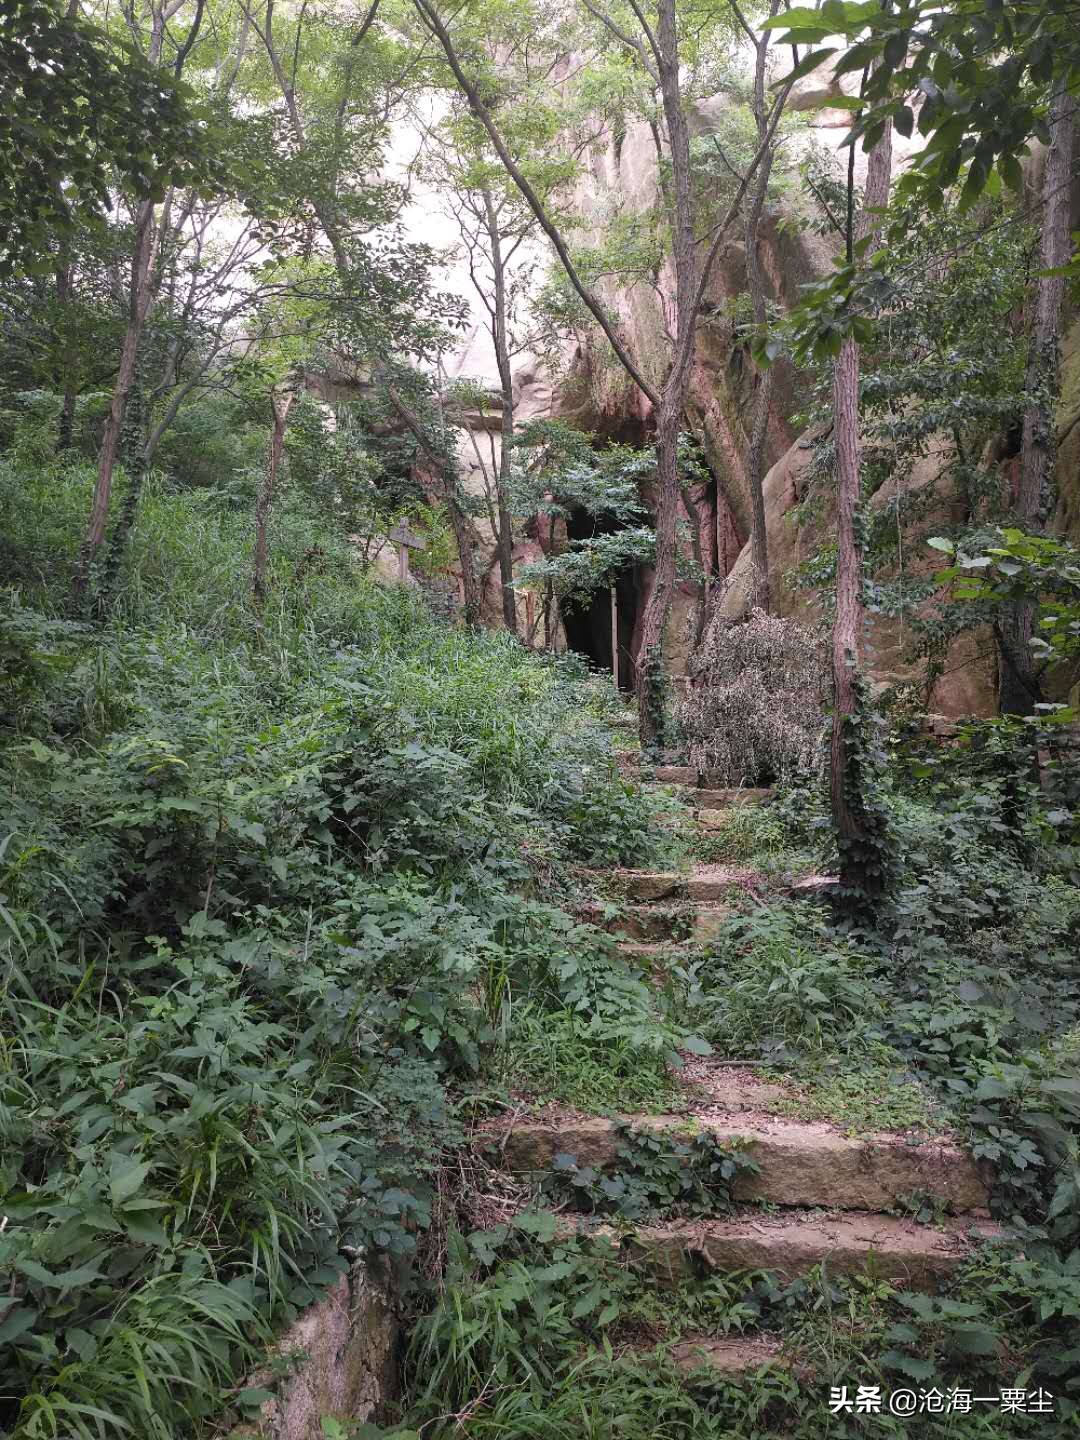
(653, 1174)
(553, 1058)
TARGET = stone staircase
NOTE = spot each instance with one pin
(818, 1196)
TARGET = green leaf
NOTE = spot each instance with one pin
(917, 1369)
(973, 1339)
(695, 1045)
(17, 1321)
(126, 1180)
(255, 1395)
(811, 61)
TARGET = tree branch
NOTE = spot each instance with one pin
(431, 18)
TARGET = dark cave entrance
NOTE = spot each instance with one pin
(588, 624)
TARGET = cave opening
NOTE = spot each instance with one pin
(588, 623)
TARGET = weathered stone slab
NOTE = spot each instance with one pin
(711, 887)
(810, 887)
(730, 1357)
(675, 775)
(799, 1164)
(349, 1339)
(707, 920)
(657, 886)
(917, 1257)
(730, 799)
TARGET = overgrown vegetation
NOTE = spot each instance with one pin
(266, 892)
(295, 853)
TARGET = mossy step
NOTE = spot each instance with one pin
(654, 922)
(799, 1163)
(916, 1257)
(731, 799)
(706, 883)
(729, 1357)
(710, 883)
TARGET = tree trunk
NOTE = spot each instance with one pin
(281, 402)
(66, 427)
(760, 588)
(859, 873)
(142, 260)
(1020, 690)
(1037, 444)
(65, 430)
(760, 592)
(459, 523)
(500, 335)
(672, 397)
(849, 608)
(110, 569)
(655, 615)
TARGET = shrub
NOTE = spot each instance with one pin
(753, 712)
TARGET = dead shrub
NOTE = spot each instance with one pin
(754, 710)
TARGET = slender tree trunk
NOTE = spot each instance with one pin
(500, 335)
(654, 618)
(850, 814)
(459, 524)
(760, 586)
(849, 580)
(142, 260)
(760, 591)
(1020, 690)
(65, 430)
(669, 415)
(281, 403)
(550, 618)
(140, 295)
(66, 426)
(114, 554)
(1037, 444)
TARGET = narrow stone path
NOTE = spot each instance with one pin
(817, 1196)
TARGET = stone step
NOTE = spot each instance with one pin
(731, 799)
(729, 1357)
(800, 1164)
(658, 923)
(706, 883)
(674, 775)
(915, 1257)
(711, 883)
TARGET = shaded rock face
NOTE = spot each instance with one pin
(597, 396)
(348, 1370)
(969, 682)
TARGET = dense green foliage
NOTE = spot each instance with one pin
(309, 883)
(267, 886)
(960, 1007)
